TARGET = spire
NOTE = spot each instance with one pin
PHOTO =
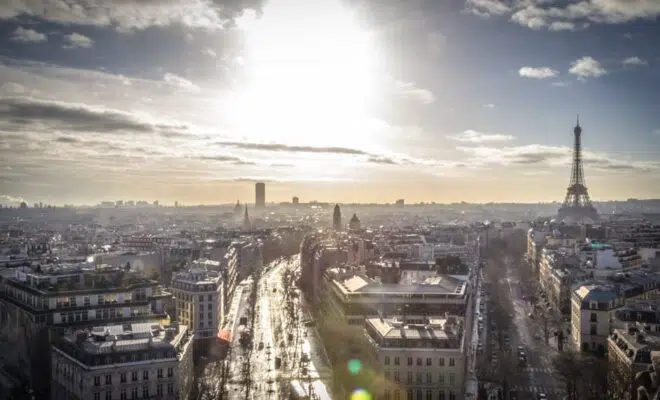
(578, 120)
(246, 219)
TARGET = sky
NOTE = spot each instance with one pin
(328, 100)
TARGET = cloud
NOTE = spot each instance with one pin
(27, 112)
(489, 105)
(478, 137)
(552, 156)
(292, 149)
(634, 62)
(181, 83)
(131, 15)
(562, 26)
(412, 91)
(12, 88)
(77, 41)
(226, 159)
(486, 8)
(586, 67)
(566, 15)
(24, 35)
(381, 160)
(537, 72)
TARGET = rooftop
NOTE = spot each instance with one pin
(127, 338)
(419, 282)
(596, 292)
(439, 333)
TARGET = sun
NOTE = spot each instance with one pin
(310, 74)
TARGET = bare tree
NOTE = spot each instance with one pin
(585, 376)
(620, 382)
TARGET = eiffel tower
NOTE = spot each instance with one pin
(577, 206)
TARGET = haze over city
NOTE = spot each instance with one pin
(332, 101)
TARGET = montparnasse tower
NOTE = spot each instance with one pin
(336, 218)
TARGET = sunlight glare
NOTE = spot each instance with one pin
(310, 73)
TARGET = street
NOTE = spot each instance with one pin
(284, 349)
(539, 369)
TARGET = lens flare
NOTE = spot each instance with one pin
(361, 394)
(354, 366)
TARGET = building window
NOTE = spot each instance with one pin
(418, 378)
(170, 372)
(134, 376)
(419, 394)
(396, 360)
(210, 316)
(451, 361)
(145, 391)
(409, 381)
(108, 395)
(397, 377)
(122, 394)
(594, 317)
(209, 297)
(86, 301)
(387, 360)
(386, 395)
(429, 395)
(145, 375)
(409, 395)
(97, 396)
(387, 375)
(108, 379)
(201, 307)
(441, 395)
(201, 297)
(452, 396)
(429, 378)
(159, 389)
(419, 361)
(133, 393)
(593, 330)
(170, 388)
(442, 361)
(97, 381)
(429, 361)
(452, 379)
(441, 379)
(159, 373)
(397, 394)
(409, 360)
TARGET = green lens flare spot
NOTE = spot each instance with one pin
(354, 366)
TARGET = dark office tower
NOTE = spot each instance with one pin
(336, 218)
(260, 195)
(295, 200)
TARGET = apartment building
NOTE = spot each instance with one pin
(68, 295)
(48, 300)
(121, 362)
(242, 258)
(592, 307)
(199, 298)
(558, 270)
(421, 361)
(631, 350)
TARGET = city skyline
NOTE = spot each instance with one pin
(470, 101)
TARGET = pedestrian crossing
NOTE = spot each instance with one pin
(538, 370)
(540, 389)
